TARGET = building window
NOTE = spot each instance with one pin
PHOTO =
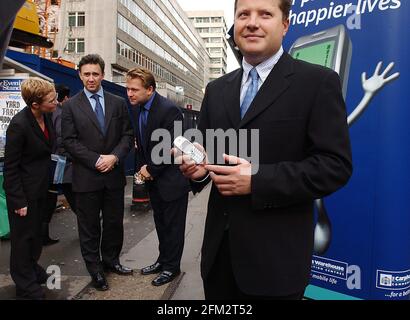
(126, 26)
(202, 20)
(76, 45)
(133, 55)
(215, 40)
(216, 30)
(76, 19)
(71, 19)
(215, 50)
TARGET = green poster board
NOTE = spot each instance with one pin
(4, 220)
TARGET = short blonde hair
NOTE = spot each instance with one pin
(146, 76)
(35, 89)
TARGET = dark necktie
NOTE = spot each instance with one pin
(143, 122)
(99, 112)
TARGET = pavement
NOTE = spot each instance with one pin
(139, 250)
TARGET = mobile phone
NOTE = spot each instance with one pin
(330, 48)
(187, 147)
(231, 41)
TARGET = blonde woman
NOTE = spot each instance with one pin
(29, 142)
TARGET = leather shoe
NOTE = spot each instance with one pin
(154, 268)
(99, 282)
(165, 277)
(119, 269)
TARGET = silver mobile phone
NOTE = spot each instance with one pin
(185, 146)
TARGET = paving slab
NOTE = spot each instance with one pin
(135, 287)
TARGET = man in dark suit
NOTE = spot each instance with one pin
(98, 136)
(259, 230)
(168, 189)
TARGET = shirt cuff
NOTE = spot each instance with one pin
(98, 160)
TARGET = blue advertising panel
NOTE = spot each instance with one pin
(362, 238)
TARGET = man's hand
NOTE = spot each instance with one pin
(232, 180)
(145, 174)
(106, 163)
(22, 212)
(188, 167)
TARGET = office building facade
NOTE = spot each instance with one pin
(211, 26)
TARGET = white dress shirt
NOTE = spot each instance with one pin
(263, 69)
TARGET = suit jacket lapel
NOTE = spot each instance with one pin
(85, 106)
(232, 97)
(273, 87)
(36, 127)
(150, 122)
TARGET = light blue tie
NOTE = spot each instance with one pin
(99, 112)
(250, 93)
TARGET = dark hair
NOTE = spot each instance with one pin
(92, 59)
(146, 76)
(62, 91)
(284, 6)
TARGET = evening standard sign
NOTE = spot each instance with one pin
(11, 103)
(10, 85)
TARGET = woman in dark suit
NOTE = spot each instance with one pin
(29, 141)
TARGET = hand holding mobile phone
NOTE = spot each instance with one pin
(188, 148)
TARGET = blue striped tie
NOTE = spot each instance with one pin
(99, 112)
(250, 93)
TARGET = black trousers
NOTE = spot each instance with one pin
(52, 201)
(69, 195)
(170, 218)
(100, 246)
(220, 284)
(50, 206)
(26, 246)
